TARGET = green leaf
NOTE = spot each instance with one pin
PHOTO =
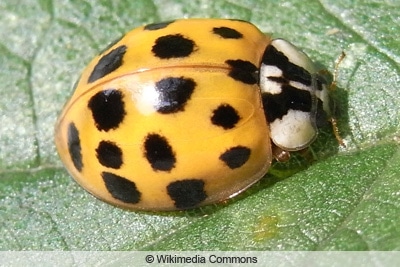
(348, 199)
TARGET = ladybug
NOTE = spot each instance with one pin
(185, 113)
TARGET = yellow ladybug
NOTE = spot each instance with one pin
(184, 113)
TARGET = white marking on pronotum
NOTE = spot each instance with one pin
(267, 85)
(294, 131)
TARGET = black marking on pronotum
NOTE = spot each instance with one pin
(173, 46)
(159, 153)
(157, 26)
(243, 71)
(109, 154)
(235, 157)
(290, 71)
(278, 105)
(121, 188)
(74, 146)
(227, 33)
(187, 193)
(108, 109)
(174, 93)
(280, 80)
(225, 116)
(108, 63)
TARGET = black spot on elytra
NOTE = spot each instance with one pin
(225, 116)
(108, 63)
(121, 188)
(235, 157)
(159, 153)
(74, 146)
(173, 46)
(108, 109)
(157, 26)
(290, 71)
(173, 92)
(243, 71)
(227, 33)
(187, 193)
(278, 105)
(109, 154)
